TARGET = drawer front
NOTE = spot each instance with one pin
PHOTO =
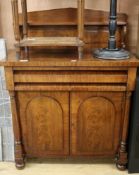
(70, 76)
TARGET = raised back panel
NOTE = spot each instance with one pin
(63, 22)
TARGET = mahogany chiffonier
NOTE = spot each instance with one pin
(65, 107)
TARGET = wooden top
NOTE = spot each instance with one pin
(68, 16)
(66, 60)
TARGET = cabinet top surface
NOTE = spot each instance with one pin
(66, 60)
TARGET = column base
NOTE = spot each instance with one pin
(116, 54)
(121, 167)
(20, 164)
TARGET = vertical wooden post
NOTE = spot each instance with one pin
(124, 37)
(81, 19)
(24, 18)
(16, 25)
(15, 19)
(122, 156)
(25, 23)
(19, 158)
(81, 4)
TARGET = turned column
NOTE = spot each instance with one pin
(112, 52)
(122, 155)
(19, 157)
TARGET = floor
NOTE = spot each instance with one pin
(49, 168)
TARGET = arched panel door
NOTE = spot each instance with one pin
(95, 123)
(45, 123)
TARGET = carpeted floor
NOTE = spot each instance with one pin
(61, 169)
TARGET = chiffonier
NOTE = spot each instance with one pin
(63, 106)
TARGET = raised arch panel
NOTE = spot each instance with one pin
(96, 119)
(45, 123)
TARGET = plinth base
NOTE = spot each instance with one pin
(116, 54)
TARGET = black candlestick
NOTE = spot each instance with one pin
(112, 52)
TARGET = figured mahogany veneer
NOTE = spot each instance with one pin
(65, 107)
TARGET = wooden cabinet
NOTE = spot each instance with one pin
(65, 107)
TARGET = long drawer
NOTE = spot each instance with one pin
(44, 76)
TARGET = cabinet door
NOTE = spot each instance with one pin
(44, 122)
(96, 123)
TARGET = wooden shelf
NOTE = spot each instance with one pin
(50, 41)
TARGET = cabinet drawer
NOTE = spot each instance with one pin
(70, 76)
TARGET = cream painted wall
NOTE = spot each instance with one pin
(6, 29)
(6, 22)
(50, 4)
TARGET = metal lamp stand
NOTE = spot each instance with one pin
(112, 52)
